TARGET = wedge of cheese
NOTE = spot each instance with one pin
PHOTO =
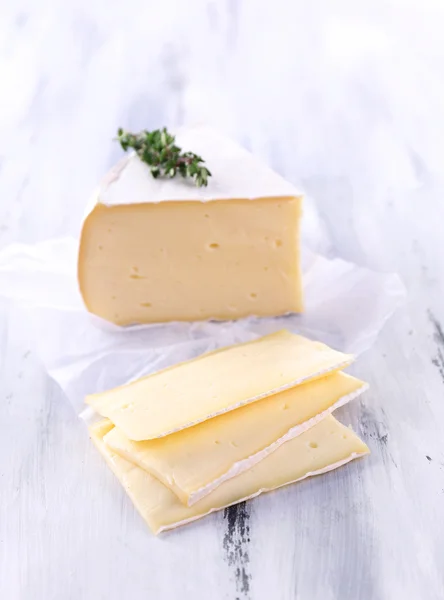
(155, 250)
(322, 448)
(195, 461)
(215, 383)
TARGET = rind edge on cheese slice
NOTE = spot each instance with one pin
(138, 430)
(245, 464)
(264, 490)
(168, 465)
(148, 489)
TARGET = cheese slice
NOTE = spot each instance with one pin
(322, 448)
(154, 250)
(195, 461)
(217, 382)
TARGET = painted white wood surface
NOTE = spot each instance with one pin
(347, 101)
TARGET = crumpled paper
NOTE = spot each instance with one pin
(346, 307)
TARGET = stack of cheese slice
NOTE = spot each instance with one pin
(213, 431)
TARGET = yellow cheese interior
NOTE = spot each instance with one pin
(195, 460)
(212, 384)
(325, 446)
(188, 261)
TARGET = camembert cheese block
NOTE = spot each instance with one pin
(322, 448)
(215, 383)
(195, 461)
(154, 250)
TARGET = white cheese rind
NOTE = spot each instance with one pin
(236, 174)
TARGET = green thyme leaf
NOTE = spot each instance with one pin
(158, 150)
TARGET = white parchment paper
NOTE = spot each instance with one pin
(346, 307)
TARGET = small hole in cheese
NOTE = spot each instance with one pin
(253, 295)
(146, 304)
(113, 297)
(214, 245)
(344, 437)
(206, 215)
(216, 442)
(278, 243)
(285, 407)
(233, 444)
(266, 268)
(313, 445)
(100, 247)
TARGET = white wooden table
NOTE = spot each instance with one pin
(346, 101)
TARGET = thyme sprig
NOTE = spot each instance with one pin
(158, 150)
